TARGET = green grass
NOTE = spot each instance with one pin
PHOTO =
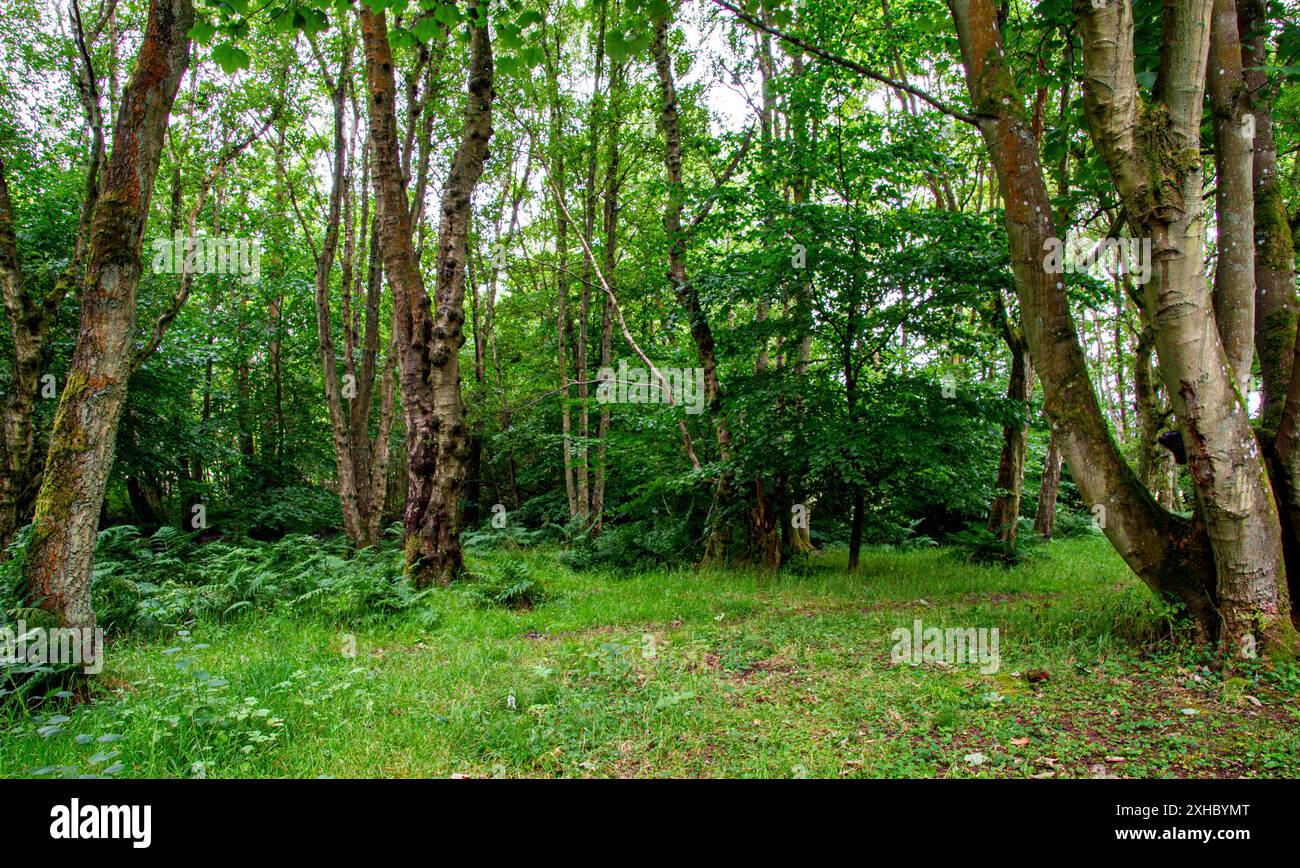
(747, 675)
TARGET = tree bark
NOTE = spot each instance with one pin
(57, 567)
(429, 341)
(1045, 516)
(582, 470)
(1155, 463)
(29, 319)
(1275, 285)
(1153, 153)
(702, 335)
(1276, 318)
(1004, 514)
(609, 229)
(559, 184)
(1169, 554)
(1234, 200)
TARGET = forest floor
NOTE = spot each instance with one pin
(681, 673)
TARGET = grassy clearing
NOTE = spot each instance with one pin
(681, 673)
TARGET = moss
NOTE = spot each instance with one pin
(54, 502)
(1000, 97)
(1272, 226)
(1275, 350)
(1280, 640)
(1164, 167)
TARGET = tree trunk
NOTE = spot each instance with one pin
(559, 184)
(429, 341)
(1004, 514)
(345, 457)
(1234, 200)
(582, 471)
(609, 229)
(1155, 463)
(58, 563)
(1045, 516)
(28, 320)
(702, 335)
(1153, 154)
(855, 530)
(1276, 318)
(1275, 285)
(1169, 554)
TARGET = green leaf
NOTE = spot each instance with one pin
(400, 37)
(509, 38)
(230, 58)
(447, 14)
(282, 20)
(201, 32)
(315, 21)
(532, 55)
(425, 29)
(617, 47)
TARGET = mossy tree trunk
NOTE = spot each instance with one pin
(57, 568)
(1170, 554)
(1152, 150)
(429, 336)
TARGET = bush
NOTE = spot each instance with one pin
(153, 585)
(510, 586)
(1070, 524)
(511, 538)
(634, 547)
(294, 509)
(979, 545)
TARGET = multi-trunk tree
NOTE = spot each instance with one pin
(430, 330)
(1226, 565)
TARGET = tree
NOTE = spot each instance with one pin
(429, 341)
(58, 559)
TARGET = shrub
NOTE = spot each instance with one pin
(510, 586)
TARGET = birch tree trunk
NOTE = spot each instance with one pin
(429, 340)
(57, 567)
